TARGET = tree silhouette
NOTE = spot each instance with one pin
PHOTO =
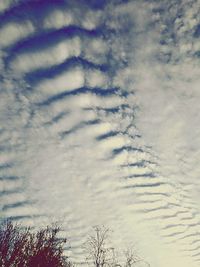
(100, 254)
(22, 248)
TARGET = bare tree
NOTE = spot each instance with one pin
(97, 249)
(100, 254)
(132, 259)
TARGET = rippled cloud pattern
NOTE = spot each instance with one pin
(99, 122)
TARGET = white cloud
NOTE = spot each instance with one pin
(68, 81)
(5, 4)
(58, 19)
(91, 20)
(31, 61)
(13, 32)
(95, 50)
(95, 78)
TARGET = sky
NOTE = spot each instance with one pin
(99, 122)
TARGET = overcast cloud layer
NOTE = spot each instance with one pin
(99, 122)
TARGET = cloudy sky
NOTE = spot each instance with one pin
(99, 122)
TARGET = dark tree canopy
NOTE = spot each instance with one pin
(22, 248)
